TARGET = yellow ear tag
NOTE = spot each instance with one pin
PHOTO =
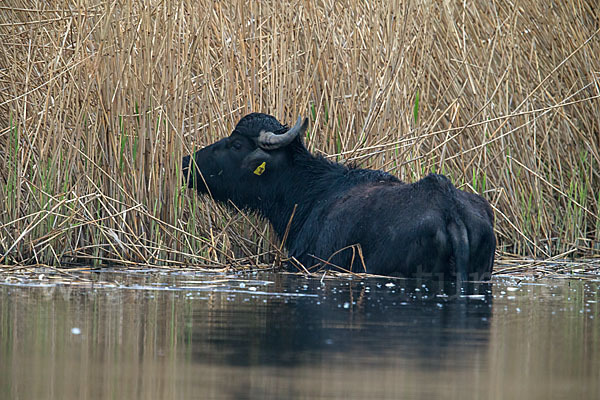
(260, 169)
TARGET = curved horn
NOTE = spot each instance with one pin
(270, 141)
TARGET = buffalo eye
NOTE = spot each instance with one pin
(236, 144)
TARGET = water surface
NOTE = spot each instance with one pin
(156, 335)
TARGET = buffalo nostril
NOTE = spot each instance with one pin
(186, 162)
(185, 167)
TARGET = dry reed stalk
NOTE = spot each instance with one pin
(99, 102)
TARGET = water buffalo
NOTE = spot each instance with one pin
(334, 216)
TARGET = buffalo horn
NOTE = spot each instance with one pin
(270, 141)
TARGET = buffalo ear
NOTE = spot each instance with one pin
(257, 161)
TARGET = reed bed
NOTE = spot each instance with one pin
(100, 100)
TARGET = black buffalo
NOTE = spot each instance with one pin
(334, 216)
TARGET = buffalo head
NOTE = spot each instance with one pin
(254, 152)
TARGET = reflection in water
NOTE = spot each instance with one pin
(283, 336)
(350, 318)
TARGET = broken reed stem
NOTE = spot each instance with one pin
(101, 101)
(285, 235)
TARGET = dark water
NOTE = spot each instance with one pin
(279, 336)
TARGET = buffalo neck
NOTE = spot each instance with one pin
(305, 189)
